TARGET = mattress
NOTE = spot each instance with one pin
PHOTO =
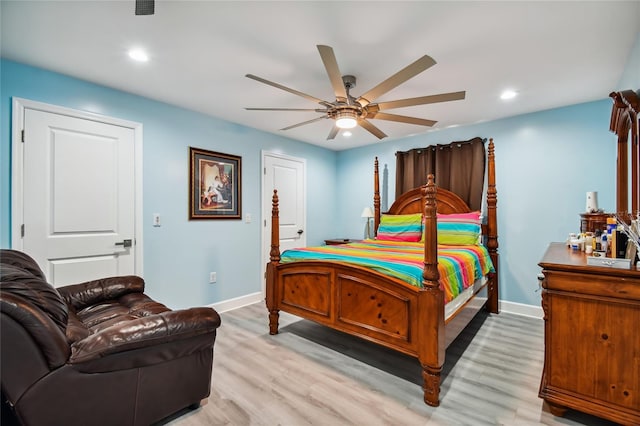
(459, 266)
(457, 303)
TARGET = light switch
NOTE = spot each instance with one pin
(247, 218)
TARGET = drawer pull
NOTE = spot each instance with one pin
(604, 336)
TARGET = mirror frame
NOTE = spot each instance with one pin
(624, 123)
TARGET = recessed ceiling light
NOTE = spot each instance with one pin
(138, 55)
(508, 94)
(346, 133)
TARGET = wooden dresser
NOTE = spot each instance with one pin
(592, 337)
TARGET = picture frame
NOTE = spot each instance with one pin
(215, 185)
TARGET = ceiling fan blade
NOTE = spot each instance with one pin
(287, 89)
(322, 117)
(334, 131)
(331, 65)
(286, 109)
(403, 119)
(397, 79)
(145, 7)
(422, 100)
(371, 129)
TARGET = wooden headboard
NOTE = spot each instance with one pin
(413, 202)
(427, 200)
(446, 201)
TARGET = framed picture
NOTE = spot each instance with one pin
(214, 185)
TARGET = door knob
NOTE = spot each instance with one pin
(300, 231)
(125, 243)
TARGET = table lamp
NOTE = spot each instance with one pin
(367, 213)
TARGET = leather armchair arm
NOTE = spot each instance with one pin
(92, 292)
(147, 333)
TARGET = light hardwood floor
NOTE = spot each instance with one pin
(311, 375)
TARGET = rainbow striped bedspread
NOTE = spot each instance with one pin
(459, 266)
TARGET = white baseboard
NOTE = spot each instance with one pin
(238, 302)
(521, 309)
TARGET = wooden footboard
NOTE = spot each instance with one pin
(346, 298)
(373, 306)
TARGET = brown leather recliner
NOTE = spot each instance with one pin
(98, 353)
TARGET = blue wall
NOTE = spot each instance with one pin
(545, 164)
(179, 255)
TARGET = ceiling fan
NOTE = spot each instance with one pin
(348, 111)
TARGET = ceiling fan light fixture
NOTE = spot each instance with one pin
(346, 119)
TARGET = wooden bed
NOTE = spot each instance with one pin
(382, 309)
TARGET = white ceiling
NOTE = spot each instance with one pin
(552, 53)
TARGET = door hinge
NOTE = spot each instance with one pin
(22, 230)
(22, 135)
(265, 171)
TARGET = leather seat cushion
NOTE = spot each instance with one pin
(116, 311)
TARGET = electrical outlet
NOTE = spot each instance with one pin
(156, 219)
(213, 277)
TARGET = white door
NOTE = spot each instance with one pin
(78, 209)
(287, 175)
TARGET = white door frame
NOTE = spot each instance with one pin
(17, 169)
(266, 219)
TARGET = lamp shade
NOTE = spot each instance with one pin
(367, 212)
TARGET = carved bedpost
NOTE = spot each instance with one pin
(432, 345)
(430, 275)
(376, 197)
(492, 230)
(274, 257)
